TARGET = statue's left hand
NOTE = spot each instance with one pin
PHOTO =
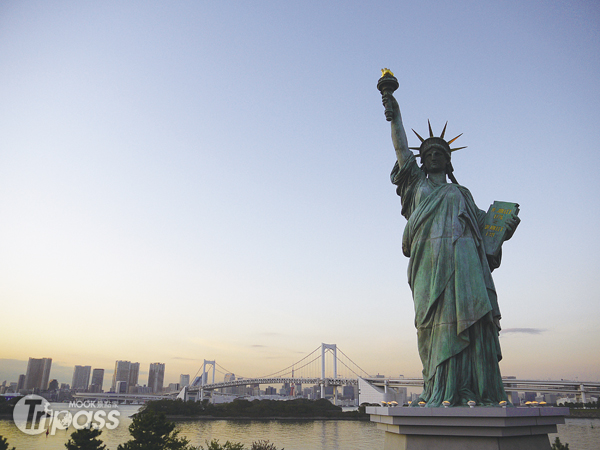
(511, 226)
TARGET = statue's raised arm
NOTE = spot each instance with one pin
(398, 133)
(387, 85)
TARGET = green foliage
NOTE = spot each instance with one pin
(180, 408)
(257, 445)
(214, 445)
(559, 445)
(4, 444)
(151, 431)
(300, 407)
(263, 445)
(85, 439)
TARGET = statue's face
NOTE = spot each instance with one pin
(435, 161)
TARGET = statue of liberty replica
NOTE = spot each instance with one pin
(449, 272)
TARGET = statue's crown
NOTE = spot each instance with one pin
(436, 142)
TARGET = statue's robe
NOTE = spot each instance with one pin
(453, 291)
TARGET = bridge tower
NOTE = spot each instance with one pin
(323, 348)
(205, 375)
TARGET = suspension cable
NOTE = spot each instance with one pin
(364, 371)
(288, 367)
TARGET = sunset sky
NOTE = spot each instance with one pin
(196, 180)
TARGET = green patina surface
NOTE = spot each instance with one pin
(456, 308)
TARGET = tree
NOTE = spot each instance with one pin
(214, 445)
(85, 439)
(559, 445)
(4, 444)
(152, 431)
(263, 445)
(257, 445)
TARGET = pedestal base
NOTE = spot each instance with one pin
(417, 442)
(467, 428)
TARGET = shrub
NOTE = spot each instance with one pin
(559, 445)
(85, 439)
(214, 445)
(151, 431)
(4, 444)
(263, 445)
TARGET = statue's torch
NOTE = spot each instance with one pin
(387, 84)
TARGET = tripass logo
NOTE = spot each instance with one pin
(34, 415)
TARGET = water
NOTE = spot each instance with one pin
(580, 434)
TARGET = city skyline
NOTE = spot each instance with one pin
(188, 181)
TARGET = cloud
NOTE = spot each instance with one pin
(522, 330)
(185, 359)
(258, 346)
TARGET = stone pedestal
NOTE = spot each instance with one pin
(478, 428)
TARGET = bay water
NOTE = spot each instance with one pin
(580, 434)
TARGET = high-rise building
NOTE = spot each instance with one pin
(184, 380)
(38, 373)
(173, 387)
(134, 373)
(229, 377)
(156, 376)
(81, 378)
(21, 383)
(97, 380)
(121, 387)
(121, 373)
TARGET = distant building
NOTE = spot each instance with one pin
(173, 387)
(414, 397)
(121, 373)
(227, 378)
(348, 392)
(38, 373)
(513, 395)
(21, 383)
(81, 378)
(121, 387)
(97, 380)
(143, 390)
(125, 371)
(369, 393)
(184, 380)
(156, 376)
(313, 392)
(134, 373)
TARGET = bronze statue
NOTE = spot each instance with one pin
(456, 308)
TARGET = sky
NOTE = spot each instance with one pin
(194, 180)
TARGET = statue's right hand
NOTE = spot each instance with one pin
(390, 103)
